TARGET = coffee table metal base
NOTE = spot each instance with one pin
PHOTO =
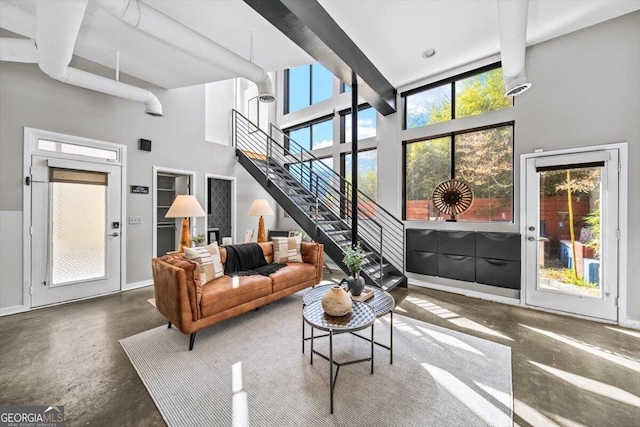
(361, 316)
(334, 377)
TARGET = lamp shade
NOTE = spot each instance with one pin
(260, 207)
(185, 206)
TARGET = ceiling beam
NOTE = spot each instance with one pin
(309, 25)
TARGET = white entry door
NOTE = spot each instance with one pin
(75, 229)
(571, 232)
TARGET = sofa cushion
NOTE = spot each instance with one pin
(208, 257)
(287, 249)
(214, 250)
(227, 292)
(293, 274)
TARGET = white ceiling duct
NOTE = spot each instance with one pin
(18, 50)
(512, 25)
(24, 50)
(167, 29)
(56, 28)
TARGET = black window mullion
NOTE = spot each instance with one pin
(453, 100)
(287, 91)
(453, 155)
(310, 84)
(404, 181)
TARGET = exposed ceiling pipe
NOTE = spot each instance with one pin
(167, 29)
(512, 25)
(55, 30)
(24, 50)
(18, 50)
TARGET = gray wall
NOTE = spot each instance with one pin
(586, 91)
(28, 98)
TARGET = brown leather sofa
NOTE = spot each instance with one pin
(192, 305)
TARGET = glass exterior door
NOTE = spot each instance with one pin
(571, 233)
(78, 240)
(75, 237)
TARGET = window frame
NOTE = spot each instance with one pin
(452, 135)
(343, 167)
(451, 81)
(286, 105)
(343, 129)
(309, 124)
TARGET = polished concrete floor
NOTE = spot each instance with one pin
(566, 371)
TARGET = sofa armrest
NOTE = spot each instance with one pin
(313, 253)
(178, 290)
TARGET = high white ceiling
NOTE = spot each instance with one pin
(392, 33)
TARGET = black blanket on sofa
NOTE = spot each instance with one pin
(248, 259)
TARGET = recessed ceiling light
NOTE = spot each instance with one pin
(429, 53)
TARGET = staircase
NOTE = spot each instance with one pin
(319, 200)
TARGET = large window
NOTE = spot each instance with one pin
(470, 94)
(483, 158)
(312, 135)
(307, 85)
(367, 124)
(367, 171)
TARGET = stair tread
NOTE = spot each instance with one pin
(337, 232)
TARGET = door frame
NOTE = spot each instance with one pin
(154, 211)
(233, 200)
(623, 185)
(31, 137)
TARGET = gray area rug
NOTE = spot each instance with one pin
(250, 371)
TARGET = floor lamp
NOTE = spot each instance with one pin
(260, 207)
(185, 206)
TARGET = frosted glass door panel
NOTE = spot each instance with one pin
(78, 232)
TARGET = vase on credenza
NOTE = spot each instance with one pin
(336, 302)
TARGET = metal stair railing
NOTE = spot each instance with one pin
(329, 191)
(393, 228)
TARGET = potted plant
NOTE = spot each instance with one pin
(198, 240)
(353, 258)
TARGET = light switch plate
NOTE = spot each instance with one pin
(135, 220)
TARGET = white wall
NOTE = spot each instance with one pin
(28, 98)
(218, 111)
(586, 91)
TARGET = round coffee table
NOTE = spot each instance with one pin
(362, 316)
(382, 304)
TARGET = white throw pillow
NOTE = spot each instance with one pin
(287, 249)
(208, 258)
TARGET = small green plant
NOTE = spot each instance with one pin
(565, 275)
(297, 233)
(353, 258)
(198, 238)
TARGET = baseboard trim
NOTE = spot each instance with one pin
(14, 309)
(136, 285)
(467, 292)
(628, 323)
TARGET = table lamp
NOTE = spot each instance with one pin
(185, 206)
(260, 207)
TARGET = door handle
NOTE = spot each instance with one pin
(116, 234)
(532, 239)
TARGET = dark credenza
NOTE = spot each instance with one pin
(470, 256)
